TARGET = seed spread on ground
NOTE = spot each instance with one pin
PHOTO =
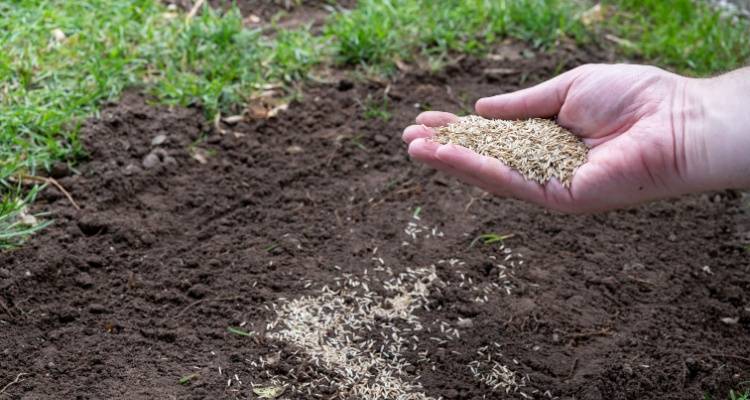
(538, 148)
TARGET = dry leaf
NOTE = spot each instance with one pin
(505, 53)
(252, 19)
(266, 104)
(402, 66)
(58, 35)
(593, 15)
(269, 392)
(29, 220)
(279, 108)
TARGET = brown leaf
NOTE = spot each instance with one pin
(593, 15)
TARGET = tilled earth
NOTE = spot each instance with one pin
(347, 271)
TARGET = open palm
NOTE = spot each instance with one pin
(632, 118)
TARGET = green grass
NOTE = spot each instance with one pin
(60, 59)
(49, 86)
(238, 331)
(49, 83)
(16, 224)
(187, 378)
(490, 238)
(379, 32)
(687, 35)
(377, 109)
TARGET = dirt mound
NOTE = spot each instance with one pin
(286, 215)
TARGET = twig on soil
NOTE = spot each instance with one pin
(468, 205)
(194, 10)
(23, 179)
(573, 369)
(7, 310)
(642, 281)
(17, 380)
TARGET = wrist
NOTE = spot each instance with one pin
(717, 130)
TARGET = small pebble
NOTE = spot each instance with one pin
(131, 169)
(96, 308)
(59, 170)
(151, 160)
(381, 138)
(158, 139)
(465, 323)
(84, 280)
(198, 291)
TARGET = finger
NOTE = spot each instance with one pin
(543, 100)
(435, 118)
(413, 132)
(492, 174)
(425, 151)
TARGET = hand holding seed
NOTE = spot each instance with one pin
(650, 134)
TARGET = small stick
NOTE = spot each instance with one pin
(471, 201)
(53, 182)
(195, 9)
(17, 380)
(7, 310)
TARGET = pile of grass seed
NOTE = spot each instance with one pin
(538, 148)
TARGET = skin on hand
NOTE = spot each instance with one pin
(652, 134)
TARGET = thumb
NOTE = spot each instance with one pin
(541, 101)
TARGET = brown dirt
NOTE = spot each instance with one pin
(125, 297)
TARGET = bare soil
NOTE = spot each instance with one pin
(137, 290)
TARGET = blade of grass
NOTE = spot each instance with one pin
(237, 331)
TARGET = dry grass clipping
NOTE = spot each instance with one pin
(537, 148)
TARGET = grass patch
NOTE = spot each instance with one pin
(376, 109)
(688, 35)
(16, 224)
(59, 60)
(380, 32)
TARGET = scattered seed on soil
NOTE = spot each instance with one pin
(537, 148)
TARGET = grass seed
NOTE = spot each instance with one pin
(539, 149)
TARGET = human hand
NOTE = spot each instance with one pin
(652, 134)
